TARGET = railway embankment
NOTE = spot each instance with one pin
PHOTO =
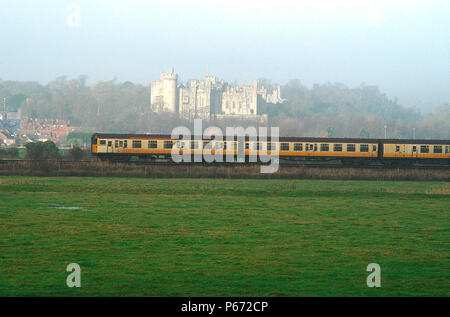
(108, 169)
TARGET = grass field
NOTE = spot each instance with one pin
(216, 237)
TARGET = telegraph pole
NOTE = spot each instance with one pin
(385, 131)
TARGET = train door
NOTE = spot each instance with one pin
(380, 150)
(239, 147)
(400, 150)
(118, 146)
(414, 151)
(109, 147)
(403, 150)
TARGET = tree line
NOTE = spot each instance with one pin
(44, 150)
(322, 110)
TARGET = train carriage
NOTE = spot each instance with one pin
(427, 151)
(343, 149)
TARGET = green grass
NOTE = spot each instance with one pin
(214, 237)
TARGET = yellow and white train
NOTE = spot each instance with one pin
(346, 150)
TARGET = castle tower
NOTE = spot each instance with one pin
(163, 93)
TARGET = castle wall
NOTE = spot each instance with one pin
(240, 101)
(201, 99)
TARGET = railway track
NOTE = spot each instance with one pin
(235, 164)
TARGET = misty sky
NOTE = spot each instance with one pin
(401, 46)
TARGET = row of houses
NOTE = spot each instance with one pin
(15, 130)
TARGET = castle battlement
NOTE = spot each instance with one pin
(170, 75)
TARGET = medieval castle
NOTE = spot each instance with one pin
(209, 98)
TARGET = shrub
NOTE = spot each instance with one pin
(11, 152)
(76, 153)
(41, 150)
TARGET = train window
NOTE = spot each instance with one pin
(116, 143)
(374, 148)
(397, 148)
(120, 143)
(298, 147)
(284, 146)
(207, 145)
(247, 145)
(257, 146)
(414, 148)
(315, 147)
(324, 147)
(437, 149)
(224, 145)
(152, 144)
(424, 149)
(125, 143)
(447, 149)
(337, 147)
(137, 144)
(102, 142)
(194, 145)
(109, 143)
(272, 146)
(168, 144)
(364, 147)
(351, 147)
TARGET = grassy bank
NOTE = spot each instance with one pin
(106, 169)
(222, 237)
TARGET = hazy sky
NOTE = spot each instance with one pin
(401, 46)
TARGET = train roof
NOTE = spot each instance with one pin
(130, 135)
(281, 139)
(414, 141)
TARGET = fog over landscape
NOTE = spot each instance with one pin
(383, 60)
(401, 46)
